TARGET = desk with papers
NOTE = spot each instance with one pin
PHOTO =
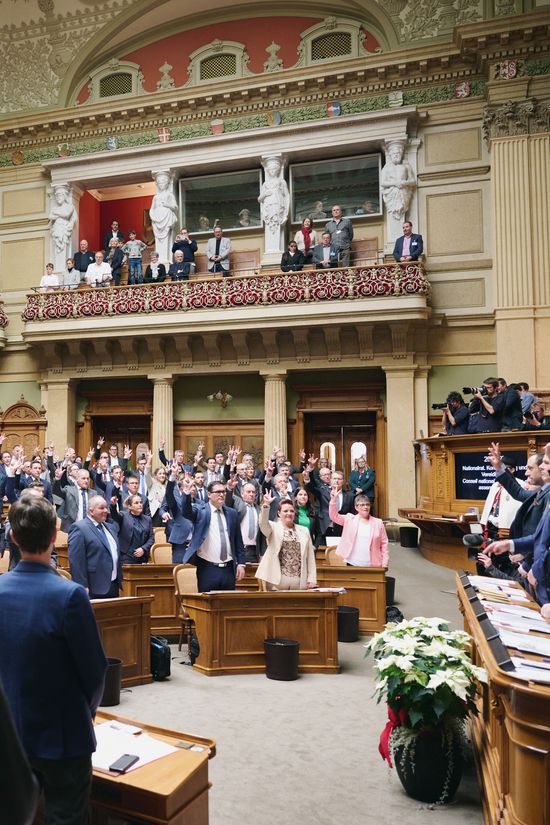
(167, 786)
(511, 735)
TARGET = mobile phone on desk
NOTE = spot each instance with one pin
(123, 763)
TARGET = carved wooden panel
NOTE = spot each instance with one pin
(23, 424)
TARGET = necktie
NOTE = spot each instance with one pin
(142, 488)
(251, 524)
(84, 503)
(223, 539)
(103, 537)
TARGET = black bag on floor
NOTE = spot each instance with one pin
(194, 646)
(393, 614)
(160, 658)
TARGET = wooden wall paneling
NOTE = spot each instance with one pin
(24, 424)
(248, 435)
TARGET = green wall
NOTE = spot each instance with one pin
(442, 380)
(191, 404)
(11, 392)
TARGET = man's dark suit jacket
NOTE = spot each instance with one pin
(321, 494)
(181, 527)
(52, 663)
(116, 264)
(126, 521)
(24, 481)
(529, 514)
(200, 516)
(107, 239)
(318, 257)
(82, 260)
(91, 562)
(416, 247)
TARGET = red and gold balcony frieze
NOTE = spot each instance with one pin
(262, 290)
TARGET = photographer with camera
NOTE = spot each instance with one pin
(512, 415)
(455, 414)
(485, 407)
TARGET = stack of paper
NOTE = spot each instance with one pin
(531, 670)
(520, 623)
(521, 641)
(112, 743)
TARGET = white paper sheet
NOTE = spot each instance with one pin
(113, 743)
(526, 671)
(522, 641)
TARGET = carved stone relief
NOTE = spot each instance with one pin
(512, 118)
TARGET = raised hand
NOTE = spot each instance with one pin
(149, 455)
(100, 442)
(114, 501)
(90, 454)
(267, 498)
(312, 461)
(3, 437)
(127, 451)
(302, 454)
(162, 443)
(174, 469)
(186, 483)
(58, 473)
(232, 482)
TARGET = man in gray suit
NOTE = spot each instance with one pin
(75, 496)
(249, 514)
(217, 251)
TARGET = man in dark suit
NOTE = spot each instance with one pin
(325, 256)
(76, 497)
(114, 233)
(35, 474)
(93, 552)
(408, 247)
(52, 664)
(181, 527)
(115, 259)
(83, 258)
(216, 546)
(321, 485)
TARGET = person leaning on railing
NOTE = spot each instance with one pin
(293, 260)
(49, 281)
(98, 273)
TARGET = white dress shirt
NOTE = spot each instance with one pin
(211, 548)
(360, 555)
(112, 546)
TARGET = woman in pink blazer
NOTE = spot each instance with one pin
(364, 542)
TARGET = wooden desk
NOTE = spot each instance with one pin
(232, 626)
(170, 791)
(511, 737)
(365, 589)
(250, 582)
(125, 629)
(441, 539)
(155, 580)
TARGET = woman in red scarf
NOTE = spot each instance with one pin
(306, 238)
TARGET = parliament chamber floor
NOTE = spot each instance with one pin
(307, 751)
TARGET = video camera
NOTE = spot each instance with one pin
(472, 390)
(440, 406)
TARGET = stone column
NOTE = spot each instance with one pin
(163, 413)
(274, 203)
(60, 413)
(275, 420)
(517, 131)
(421, 402)
(400, 416)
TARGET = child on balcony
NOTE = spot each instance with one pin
(133, 248)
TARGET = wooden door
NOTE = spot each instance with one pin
(119, 430)
(341, 437)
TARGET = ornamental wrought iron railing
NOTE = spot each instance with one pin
(343, 284)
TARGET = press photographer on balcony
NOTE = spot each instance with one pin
(485, 407)
(455, 414)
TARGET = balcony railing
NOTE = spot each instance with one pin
(353, 283)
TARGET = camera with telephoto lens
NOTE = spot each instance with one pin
(472, 390)
(440, 406)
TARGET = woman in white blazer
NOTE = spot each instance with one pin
(289, 560)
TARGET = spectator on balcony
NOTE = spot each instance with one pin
(179, 270)
(98, 273)
(188, 247)
(409, 247)
(325, 256)
(318, 213)
(114, 233)
(133, 248)
(217, 251)
(293, 260)
(306, 238)
(341, 234)
(244, 219)
(49, 281)
(82, 259)
(71, 277)
(155, 272)
(115, 259)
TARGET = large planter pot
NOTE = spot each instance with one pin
(430, 765)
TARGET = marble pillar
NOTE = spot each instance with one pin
(421, 402)
(400, 416)
(163, 413)
(275, 420)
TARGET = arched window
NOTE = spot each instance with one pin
(216, 61)
(333, 39)
(115, 79)
(358, 450)
(328, 450)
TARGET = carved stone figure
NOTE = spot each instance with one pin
(62, 220)
(274, 200)
(163, 214)
(397, 180)
(273, 62)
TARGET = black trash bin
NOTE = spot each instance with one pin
(408, 536)
(281, 659)
(390, 590)
(111, 691)
(348, 624)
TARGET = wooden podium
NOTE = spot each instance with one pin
(231, 628)
(125, 629)
(155, 580)
(170, 791)
(365, 589)
(511, 737)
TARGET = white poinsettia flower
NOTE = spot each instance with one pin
(401, 662)
(406, 644)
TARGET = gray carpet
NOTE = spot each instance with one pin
(305, 752)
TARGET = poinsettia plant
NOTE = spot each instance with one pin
(424, 672)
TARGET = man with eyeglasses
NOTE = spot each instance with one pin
(216, 546)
